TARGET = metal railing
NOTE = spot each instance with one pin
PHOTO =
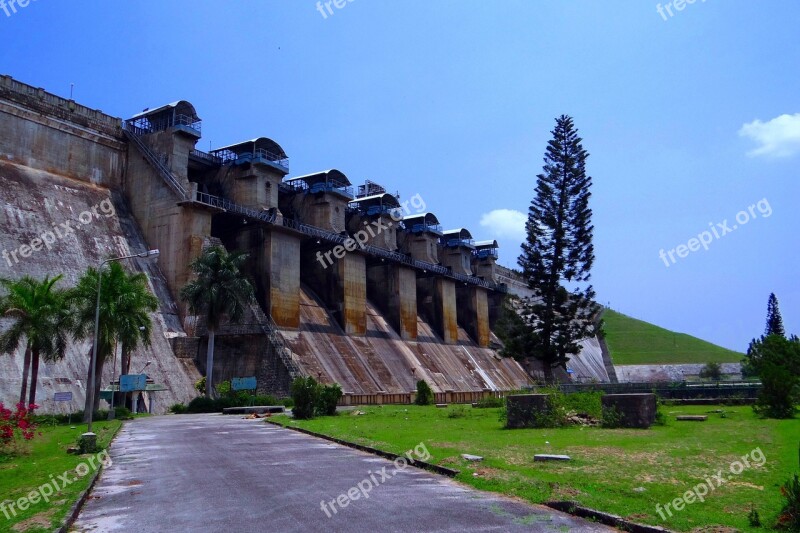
(204, 156)
(270, 329)
(270, 217)
(132, 134)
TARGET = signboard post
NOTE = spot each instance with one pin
(243, 383)
(248, 383)
(132, 382)
(64, 397)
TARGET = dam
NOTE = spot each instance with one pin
(354, 285)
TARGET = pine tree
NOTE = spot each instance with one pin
(558, 254)
(774, 319)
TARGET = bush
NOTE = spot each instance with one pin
(424, 393)
(16, 427)
(789, 518)
(203, 404)
(612, 418)
(122, 413)
(458, 411)
(178, 409)
(753, 517)
(490, 402)
(224, 389)
(328, 399)
(712, 371)
(200, 385)
(305, 393)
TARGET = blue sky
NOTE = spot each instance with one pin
(689, 119)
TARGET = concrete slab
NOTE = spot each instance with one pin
(256, 409)
(550, 457)
(218, 473)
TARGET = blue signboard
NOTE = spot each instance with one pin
(132, 382)
(243, 383)
(62, 397)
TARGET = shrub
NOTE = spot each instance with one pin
(224, 389)
(753, 518)
(287, 402)
(712, 371)
(265, 400)
(122, 413)
(328, 399)
(178, 409)
(612, 418)
(203, 404)
(488, 403)
(424, 393)
(305, 393)
(200, 385)
(789, 518)
(16, 427)
(458, 411)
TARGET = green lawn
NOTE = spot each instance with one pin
(47, 457)
(606, 466)
(634, 342)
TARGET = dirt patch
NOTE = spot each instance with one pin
(715, 529)
(42, 520)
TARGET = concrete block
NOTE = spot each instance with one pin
(635, 410)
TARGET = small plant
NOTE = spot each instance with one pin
(200, 385)
(490, 402)
(178, 409)
(424, 393)
(329, 397)
(457, 412)
(122, 413)
(753, 518)
(661, 418)
(612, 418)
(224, 388)
(789, 519)
(711, 371)
(305, 393)
(16, 427)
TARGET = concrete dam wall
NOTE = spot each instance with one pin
(354, 285)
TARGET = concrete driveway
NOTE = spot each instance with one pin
(219, 473)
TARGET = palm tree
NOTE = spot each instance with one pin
(40, 313)
(219, 289)
(125, 304)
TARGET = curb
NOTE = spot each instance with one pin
(449, 472)
(78, 505)
(608, 519)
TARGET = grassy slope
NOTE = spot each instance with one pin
(47, 454)
(607, 465)
(634, 342)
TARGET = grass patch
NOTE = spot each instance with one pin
(47, 455)
(607, 464)
(635, 342)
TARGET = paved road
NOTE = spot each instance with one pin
(225, 474)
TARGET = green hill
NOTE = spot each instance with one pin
(634, 342)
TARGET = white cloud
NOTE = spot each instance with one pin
(505, 223)
(779, 137)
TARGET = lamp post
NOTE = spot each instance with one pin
(89, 439)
